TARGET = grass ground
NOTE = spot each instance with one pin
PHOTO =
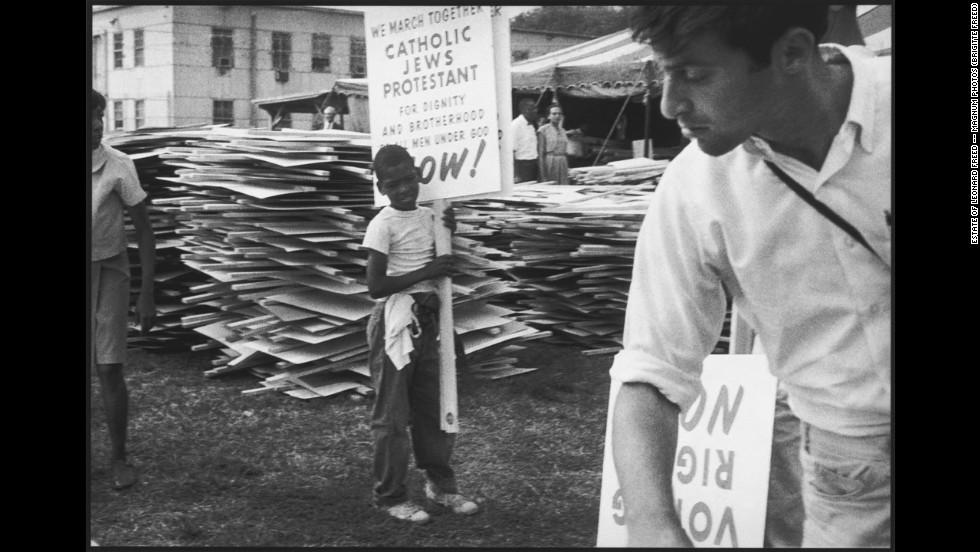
(218, 468)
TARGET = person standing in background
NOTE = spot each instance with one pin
(553, 148)
(330, 121)
(115, 186)
(525, 142)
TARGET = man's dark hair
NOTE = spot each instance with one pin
(752, 28)
(97, 99)
(390, 156)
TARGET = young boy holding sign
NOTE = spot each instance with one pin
(402, 335)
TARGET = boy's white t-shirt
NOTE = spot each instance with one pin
(407, 238)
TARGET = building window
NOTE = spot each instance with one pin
(222, 49)
(117, 115)
(321, 53)
(282, 46)
(140, 113)
(358, 57)
(138, 48)
(223, 112)
(117, 50)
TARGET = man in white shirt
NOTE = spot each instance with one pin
(330, 119)
(525, 143)
(748, 86)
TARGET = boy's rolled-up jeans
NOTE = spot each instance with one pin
(846, 489)
(408, 399)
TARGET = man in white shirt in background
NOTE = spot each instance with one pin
(748, 85)
(525, 142)
(330, 119)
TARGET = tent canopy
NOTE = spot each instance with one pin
(612, 66)
(352, 87)
(303, 102)
(349, 96)
(315, 101)
(599, 83)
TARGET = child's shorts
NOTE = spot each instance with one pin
(110, 309)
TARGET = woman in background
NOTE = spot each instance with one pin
(552, 148)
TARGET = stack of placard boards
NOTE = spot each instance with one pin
(276, 219)
(572, 253)
(173, 280)
(626, 171)
(569, 249)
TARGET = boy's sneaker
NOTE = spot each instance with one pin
(458, 503)
(407, 511)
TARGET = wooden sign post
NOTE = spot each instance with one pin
(448, 405)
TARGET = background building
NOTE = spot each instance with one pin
(174, 65)
(530, 43)
(183, 65)
(162, 66)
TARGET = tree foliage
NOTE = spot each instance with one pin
(592, 21)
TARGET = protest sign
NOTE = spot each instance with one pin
(721, 467)
(502, 62)
(432, 90)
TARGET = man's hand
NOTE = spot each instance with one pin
(449, 218)
(146, 312)
(440, 267)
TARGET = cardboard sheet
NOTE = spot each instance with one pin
(346, 307)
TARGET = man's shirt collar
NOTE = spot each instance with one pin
(860, 111)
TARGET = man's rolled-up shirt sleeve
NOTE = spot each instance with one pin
(676, 304)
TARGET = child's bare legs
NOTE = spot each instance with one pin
(115, 399)
(110, 303)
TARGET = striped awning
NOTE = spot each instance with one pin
(351, 87)
(616, 66)
(608, 66)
